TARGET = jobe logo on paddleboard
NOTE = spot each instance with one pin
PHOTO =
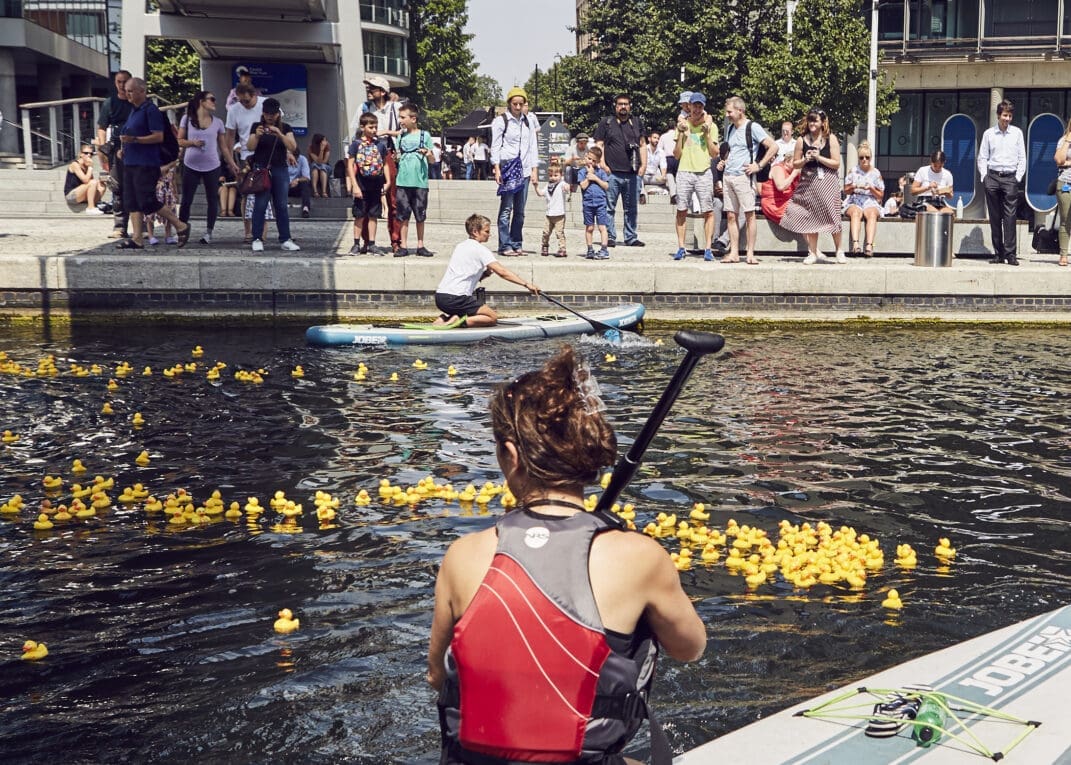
(369, 340)
(1047, 647)
(536, 537)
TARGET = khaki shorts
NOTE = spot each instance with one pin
(739, 194)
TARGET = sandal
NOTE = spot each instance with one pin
(853, 247)
(129, 244)
(1063, 260)
(184, 236)
(247, 239)
(869, 251)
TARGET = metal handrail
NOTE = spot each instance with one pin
(62, 102)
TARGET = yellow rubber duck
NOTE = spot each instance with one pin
(394, 377)
(755, 580)
(197, 352)
(297, 372)
(362, 499)
(699, 512)
(418, 364)
(286, 623)
(146, 372)
(62, 514)
(710, 553)
(212, 375)
(944, 550)
(142, 459)
(892, 600)
(42, 523)
(682, 560)
(78, 467)
(127, 497)
(610, 358)
(451, 371)
(153, 505)
(34, 651)
(253, 506)
(9, 437)
(52, 482)
(234, 512)
(137, 420)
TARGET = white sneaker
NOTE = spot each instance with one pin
(207, 238)
(841, 257)
(820, 256)
(810, 260)
(290, 245)
(258, 246)
(93, 211)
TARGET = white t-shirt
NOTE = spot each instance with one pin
(467, 263)
(785, 148)
(925, 175)
(242, 120)
(479, 152)
(667, 143)
(555, 199)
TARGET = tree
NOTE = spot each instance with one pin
(173, 71)
(543, 89)
(445, 74)
(487, 92)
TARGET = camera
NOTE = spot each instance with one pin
(634, 157)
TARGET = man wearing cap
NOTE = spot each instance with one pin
(388, 129)
(696, 144)
(515, 159)
(624, 157)
(574, 158)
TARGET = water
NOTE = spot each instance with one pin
(161, 640)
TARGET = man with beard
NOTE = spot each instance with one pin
(113, 115)
(624, 157)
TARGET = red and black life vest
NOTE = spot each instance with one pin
(531, 673)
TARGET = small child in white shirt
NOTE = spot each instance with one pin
(555, 198)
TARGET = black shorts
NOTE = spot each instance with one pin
(371, 205)
(457, 305)
(411, 200)
(139, 188)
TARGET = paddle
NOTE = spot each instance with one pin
(611, 333)
(698, 345)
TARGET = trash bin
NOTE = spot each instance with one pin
(933, 239)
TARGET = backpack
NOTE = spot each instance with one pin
(763, 174)
(420, 143)
(169, 149)
(368, 160)
(1046, 240)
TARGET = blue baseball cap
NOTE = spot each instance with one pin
(686, 97)
(698, 98)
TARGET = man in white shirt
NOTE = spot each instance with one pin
(242, 117)
(515, 159)
(786, 144)
(1002, 164)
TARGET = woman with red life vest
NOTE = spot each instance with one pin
(547, 626)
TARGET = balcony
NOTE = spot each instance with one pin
(81, 21)
(386, 13)
(390, 65)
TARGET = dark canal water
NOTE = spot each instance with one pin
(161, 641)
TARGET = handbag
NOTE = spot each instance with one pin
(255, 181)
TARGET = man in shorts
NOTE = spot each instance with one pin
(738, 169)
(471, 262)
(696, 144)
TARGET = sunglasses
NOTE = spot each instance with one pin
(210, 98)
(88, 153)
(864, 156)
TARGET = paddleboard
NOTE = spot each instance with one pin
(528, 328)
(1023, 670)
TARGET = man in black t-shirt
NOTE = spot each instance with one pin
(624, 157)
(113, 114)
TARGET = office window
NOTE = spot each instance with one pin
(939, 107)
(903, 137)
(1020, 18)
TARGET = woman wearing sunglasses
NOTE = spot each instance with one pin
(203, 137)
(865, 189)
(80, 185)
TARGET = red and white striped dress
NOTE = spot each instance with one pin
(815, 207)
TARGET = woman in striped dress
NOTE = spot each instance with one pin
(815, 207)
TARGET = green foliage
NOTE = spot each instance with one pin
(543, 88)
(173, 71)
(487, 92)
(445, 72)
(725, 47)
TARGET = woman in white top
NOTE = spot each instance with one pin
(865, 189)
(933, 184)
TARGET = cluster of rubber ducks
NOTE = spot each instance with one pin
(46, 367)
(427, 489)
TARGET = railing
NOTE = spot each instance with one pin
(62, 144)
(379, 13)
(399, 67)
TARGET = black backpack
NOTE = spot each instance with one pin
(763, 174)
(169, 149)
(1046, 240)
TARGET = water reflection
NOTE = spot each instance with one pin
(161, 638)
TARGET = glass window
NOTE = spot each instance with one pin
(1020, 18)
(940, 106)
(975, 104)
(1021, 116)
(1046, 101)
(903, 138)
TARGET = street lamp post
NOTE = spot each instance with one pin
(872, 92)
(790, 10)
(557, 90)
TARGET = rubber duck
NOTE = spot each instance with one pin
(81, 511)
(451, 371)
(234, 512)
(100, 501)
(682, 560)
(127, 497)
(944, 549)
(610, 358)
(892, 600)
(142, 459)
(42, 523)
(297, 372)
(699, 512)
(653, 530)
(253, 506)
(62, 514)
(9, 438)
(137, 420)
(197, 352)
(325, 513)
(394, 377)
(34, 651)
(146, 372)
(735, 560)
(100, 483)
(95, 369)
(212, 375)
(756, 579)
(286, 623)
(710, 553)
(153, 505)
(291, 509)
(52, 482)
(667, 522)
(359, 375)
(628, 512)
(418, 364)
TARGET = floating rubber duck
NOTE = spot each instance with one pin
(77, 466)
(394, 377)
(153, 505)
(699, 512)
(9, 438)
(451, 371)
(610, 358)
(142, 459)
(297, 372)
(286, 623)
(682, 560)
(605, 480)
(710, 553)
(253, 506)
(146, 372)
(892, 600)
(905, 556)
(197, 352)
(127, 497)
(42, 523)
(34, 651)
(52, 482)
(944, 549)
(137, 420)
(755, 580)
(62, 514)
(234, 512)
(418, 364)
(212, 375)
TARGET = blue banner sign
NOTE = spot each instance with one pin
(288, 84)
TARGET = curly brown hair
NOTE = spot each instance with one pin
(561, 441)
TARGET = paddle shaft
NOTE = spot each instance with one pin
(699, 344)
(598, 326)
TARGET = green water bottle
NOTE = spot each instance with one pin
(928, 723)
